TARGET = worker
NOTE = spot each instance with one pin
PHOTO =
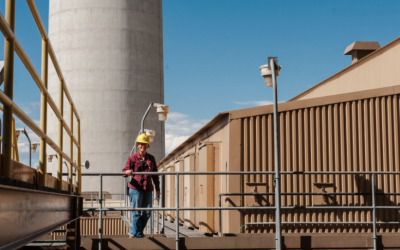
(140, 186)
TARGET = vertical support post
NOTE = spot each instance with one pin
(60, 134)
(220, 214)
(125, 198)
(78, 157)
(278, 235)
(162, 198)
(14, 143)
(43, 116)
(71, 145)
(71, 237)
(8, 90)
(158, 217)
(151, 221)
(373, 211)
(100, 211)
(177, 210)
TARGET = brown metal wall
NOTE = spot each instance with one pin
(359, 135)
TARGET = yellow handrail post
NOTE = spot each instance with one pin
(60, 134)
(78, 158)
(43, 116)
(12, 140)
(8, 90)
(71, 145)
(15, 142)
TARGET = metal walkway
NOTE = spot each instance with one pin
(170, 231)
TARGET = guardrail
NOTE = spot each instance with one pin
(7, 27)
(277, 225)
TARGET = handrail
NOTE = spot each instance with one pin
(35, 128)
(29, 66)
(12, 46)
(53, 57)
(278, 224)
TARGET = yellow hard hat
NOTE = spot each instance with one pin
(143, 138)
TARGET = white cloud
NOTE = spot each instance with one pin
(180, 127)
(30, 107)
(254, 103)
(23, 147)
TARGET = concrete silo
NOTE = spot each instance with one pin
(111, 53)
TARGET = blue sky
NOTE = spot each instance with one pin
(212, 51)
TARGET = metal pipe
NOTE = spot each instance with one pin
(158, 219)
(234, 173)
(151, 221)
(100, 212)
(373, 211)
(244, 194)
(71, 142)
(43, 116)
(162, 198)
(142, 126)
(144, 118)
(237, 208)
(9, 45)
(174, 208)
(60, 134)
(177, 210)
(276, 151)
(220, 219)
(78, 157)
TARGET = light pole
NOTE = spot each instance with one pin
(162, 111)
(17, 132)
(269, 72)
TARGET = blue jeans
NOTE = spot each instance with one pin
(140, 218)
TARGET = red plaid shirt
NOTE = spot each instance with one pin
(142, 183)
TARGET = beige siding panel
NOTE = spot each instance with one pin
(189, 193)
(359, 135)
(206, 162)
(378, 70)
(170, 193)
(179, 167)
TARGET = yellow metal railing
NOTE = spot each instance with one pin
(11, 45)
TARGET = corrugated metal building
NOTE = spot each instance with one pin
(349, 122)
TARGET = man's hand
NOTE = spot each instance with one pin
(128, 172)
(158, 193)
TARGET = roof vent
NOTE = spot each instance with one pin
(358, 50)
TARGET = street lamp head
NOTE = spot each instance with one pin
(162, 111)
(150, 134)
(19, 131)
(267, 74)
(50, 157)
(34, 146)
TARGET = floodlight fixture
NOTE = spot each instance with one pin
(34, 146)
(162, 111)
(50, 157)
(150, 134)
(19, 131)
(266, 71)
